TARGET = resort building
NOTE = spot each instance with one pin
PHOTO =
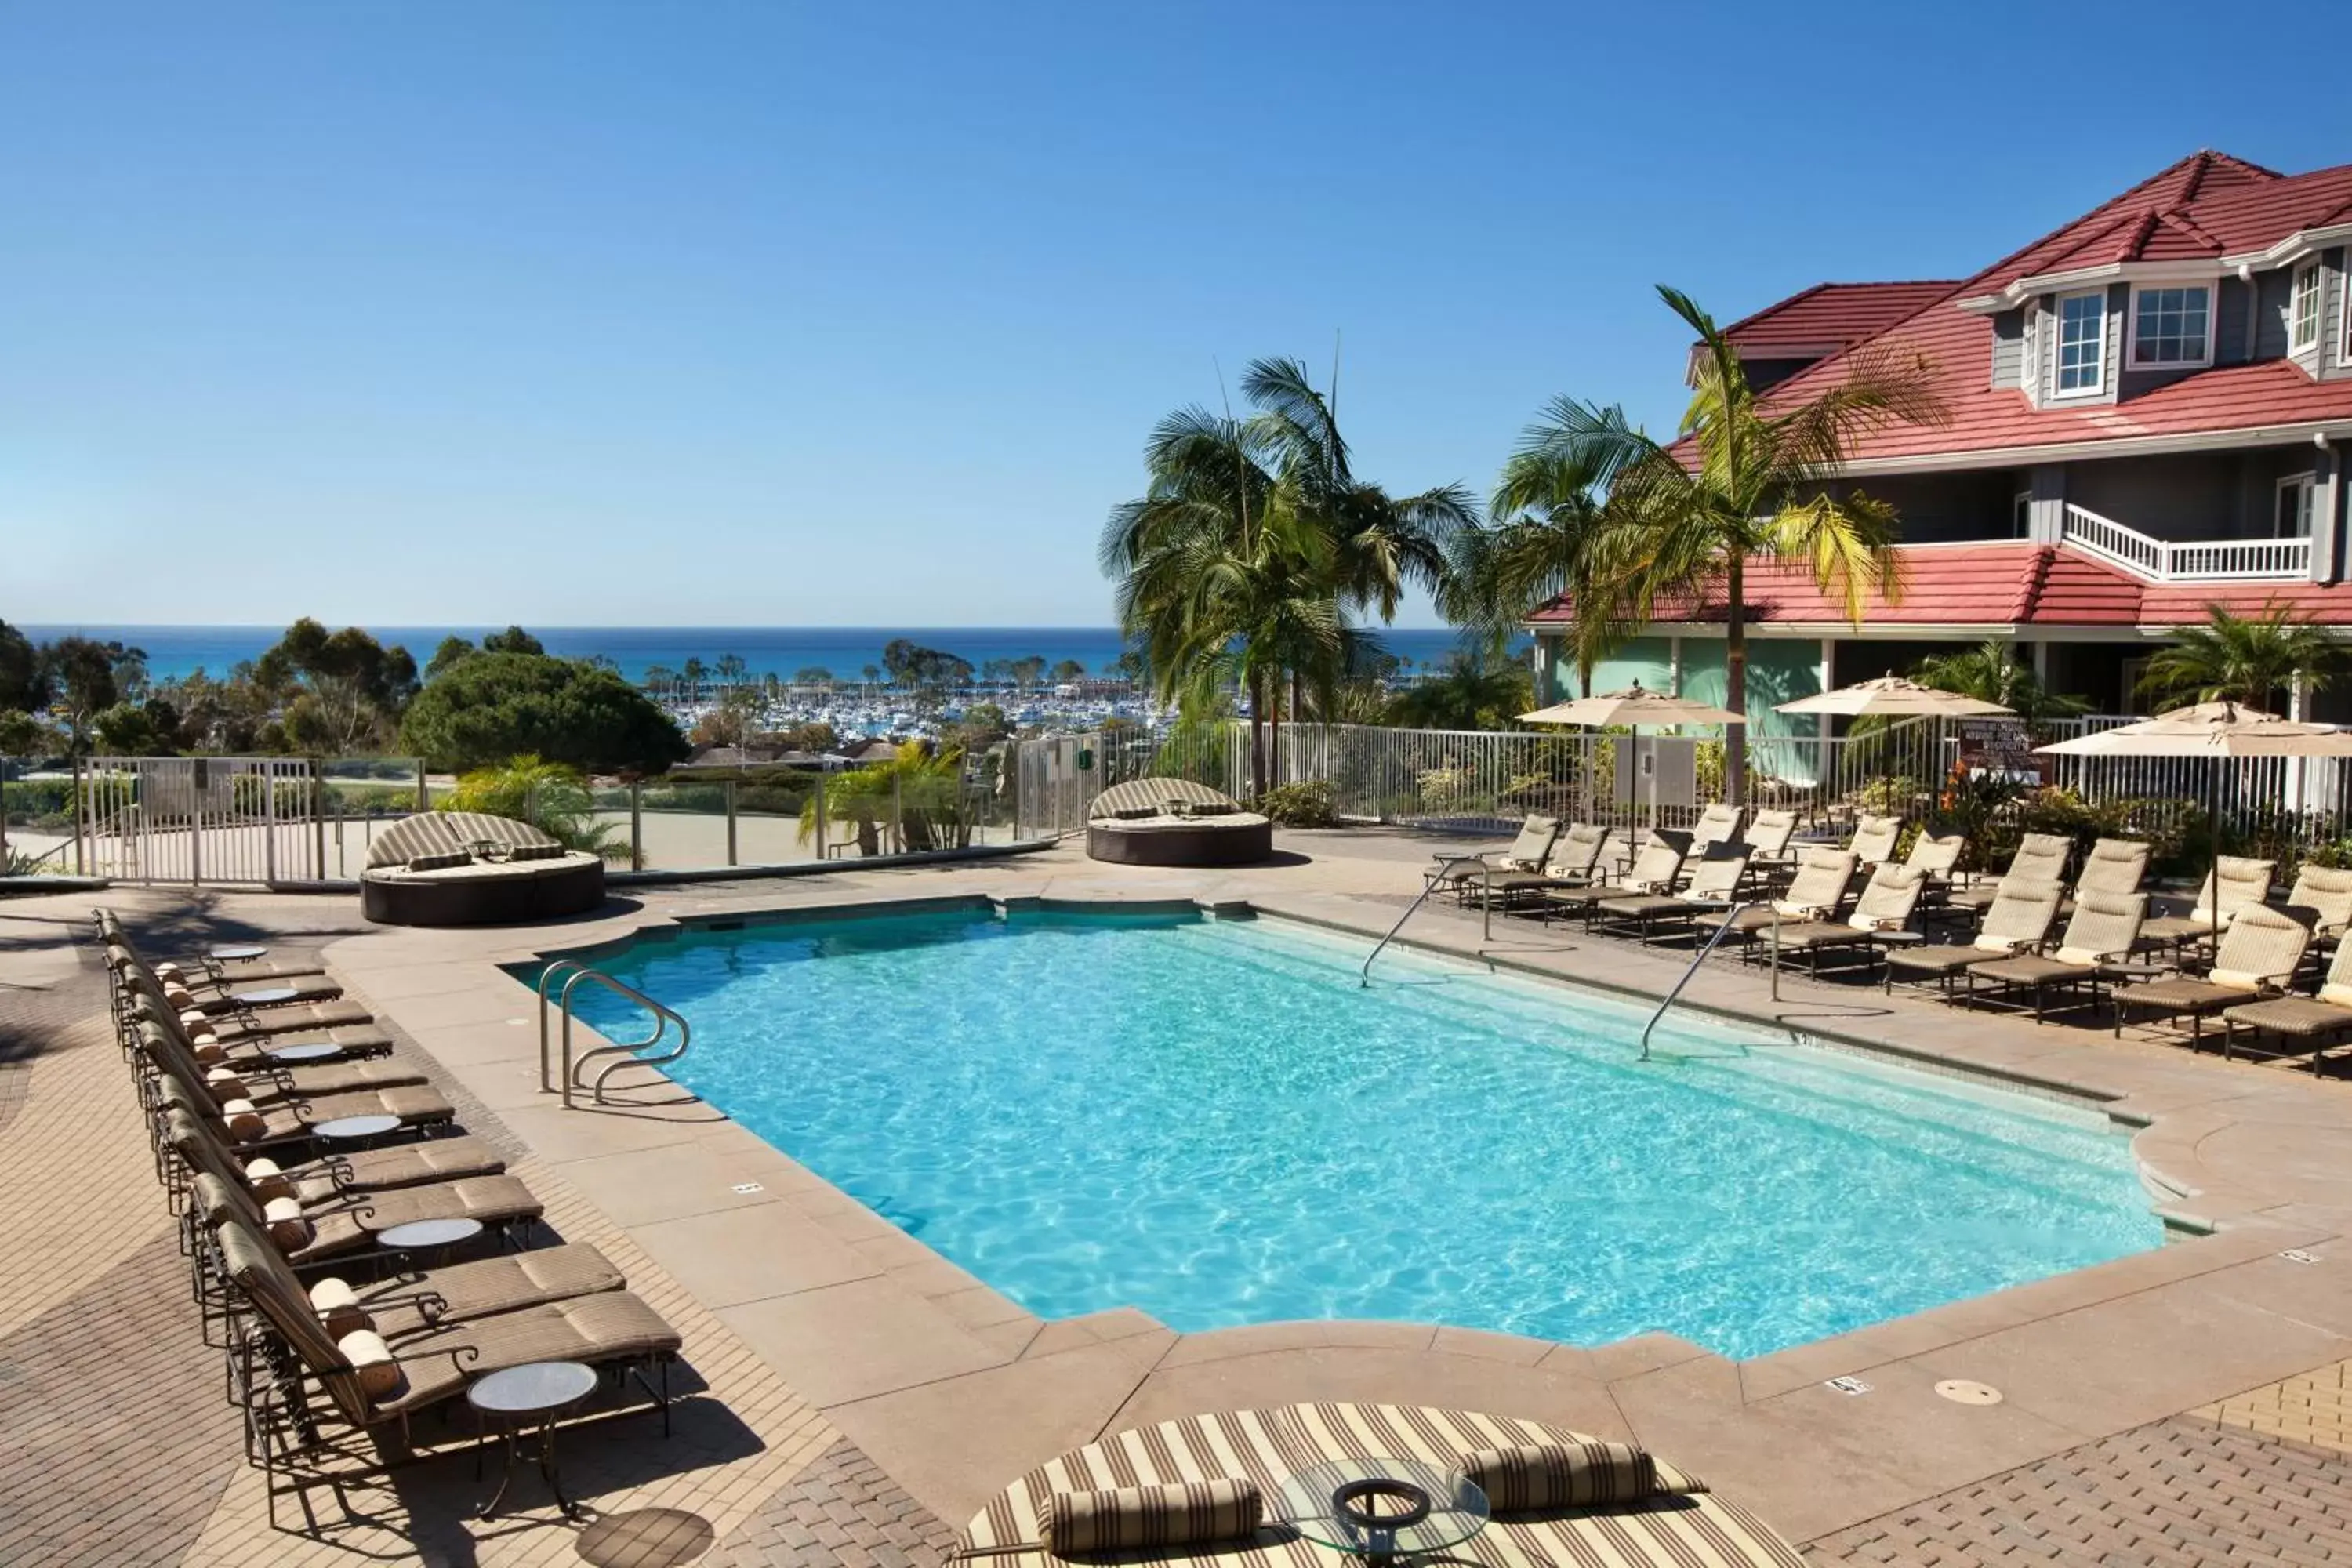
(2149, 412)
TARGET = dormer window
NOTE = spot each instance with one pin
(2082, 343)
(2171, 326)
(2302, 310)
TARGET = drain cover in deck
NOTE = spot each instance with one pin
(1960, 1391)
(646, 1538)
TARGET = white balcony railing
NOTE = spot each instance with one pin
(2204, 560)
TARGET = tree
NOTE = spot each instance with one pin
(731, 670)
(2252, 660)
(1476, 690)
(983, 724)
(922, 786)
(872, 674)
(1544, 540)
(81, 681)
(1068, 671)
(1991, 672)
(1025, 671)
(514, 639)
(339, 692)
(1128, 666)
(661, 679)
(692, 674)
(813, 674)
(495, 706)
(131, 730)
(1748, 479)
(1255, 544)
(23, 678)
(452, 648)
(22, 735)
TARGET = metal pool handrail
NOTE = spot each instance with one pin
(663, 1018)
(1730, 918)
(1364, 978)
(545, 975)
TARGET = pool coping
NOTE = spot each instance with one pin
(905, 1350)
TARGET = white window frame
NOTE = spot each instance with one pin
(2021, 515)
(2029, 349)
(2343, 318)
(2058, 387)
(2131, 329)
(2308, 482)
(2296, 345)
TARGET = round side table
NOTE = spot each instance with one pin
(429, 1238)
(355, 1129)
(521, 1397)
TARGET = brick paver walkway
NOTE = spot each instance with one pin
(2181, 1493)
(2316, 1408)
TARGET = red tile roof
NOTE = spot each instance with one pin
(1828, 317)
(1999, 585)
(2207, 205)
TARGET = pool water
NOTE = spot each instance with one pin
(1211, 1120)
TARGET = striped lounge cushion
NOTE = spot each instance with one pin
(1133, 1517)
(1536, 1477)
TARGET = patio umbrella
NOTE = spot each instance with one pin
(1639, 709)
(1894, 697)
(2222, 731)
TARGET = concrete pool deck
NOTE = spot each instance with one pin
(854, 1334)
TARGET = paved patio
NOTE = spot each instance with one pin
(860, 1395)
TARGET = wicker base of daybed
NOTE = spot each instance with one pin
(511, 893)
(1242, 838)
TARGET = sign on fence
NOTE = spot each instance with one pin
(1999, 747)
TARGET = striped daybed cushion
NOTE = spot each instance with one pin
(1682, 1525)
(448, 832)
(1149, 795)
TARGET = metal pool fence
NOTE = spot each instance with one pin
(1480, 781)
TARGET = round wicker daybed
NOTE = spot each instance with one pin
(1558, 1497)
(1174, 821)
(463, 868)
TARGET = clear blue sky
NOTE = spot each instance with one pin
(843, 314)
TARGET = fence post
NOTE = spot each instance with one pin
(636, 825)
(730, 822)
(319, 821)
(823, 828)
(268, 822)
(196, 822)
(898, 814)
(424, 797)
(80, 805)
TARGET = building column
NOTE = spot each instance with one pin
(1544, 666)
(2326, 510)
(2048, 487)
(1827, 671)
(1674, 667)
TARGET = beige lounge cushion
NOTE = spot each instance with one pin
(1538, 1477)
(243, 1119)
(226, 1085)
(1128, 1518)
(166, 970)
(206, 1048)
(192, 1020)
(379, 1375)
(2238, 978)
(2337, 992)
(337, 1306)
(440, 862)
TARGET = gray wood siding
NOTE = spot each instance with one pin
(2272, 290)
(2008, 349)
(2229, 324)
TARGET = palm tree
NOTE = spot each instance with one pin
(1746, 480)
(1543, 542)
(1473, 691)
(2246, 659)
(661, 677)
(1255, 544)
(1991, 672)
(692, 673)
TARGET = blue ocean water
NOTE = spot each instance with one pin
(1211, 1120)
(786, 650)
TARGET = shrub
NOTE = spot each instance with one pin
(550, 796)
(1300, 804)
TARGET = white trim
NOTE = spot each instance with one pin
(2310, 269)
(2073, 280)
(2302, 242)
(2344, 318)
(2098, 384)
(2131, 328)
(1936, 631)
(2120, 446)
(2308, 483)
(2022, 503)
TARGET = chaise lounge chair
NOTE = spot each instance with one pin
(1573, 861)
(2322, 899)
(2311, 1020)
(2041, 859)
(1654, 871)
(2114, 866)
(1714, 882)
(2259, 954)
(2104, 930)
(2233, 884)
(1874, 841)
(1887, 902)
(2020, 918)
(1527, 852)
(1817, 892)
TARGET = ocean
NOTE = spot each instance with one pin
(843, 651)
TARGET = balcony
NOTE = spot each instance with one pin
(2193, 560)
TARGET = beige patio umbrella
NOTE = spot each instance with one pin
(1894, 697)
(1633, 706)
(2219, 731)
(1638, 707)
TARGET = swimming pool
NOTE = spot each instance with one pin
(1210, 1120)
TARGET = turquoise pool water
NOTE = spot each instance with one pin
(1212, 1122)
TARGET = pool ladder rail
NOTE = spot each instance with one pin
(1364, 977)
(625, 1053)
